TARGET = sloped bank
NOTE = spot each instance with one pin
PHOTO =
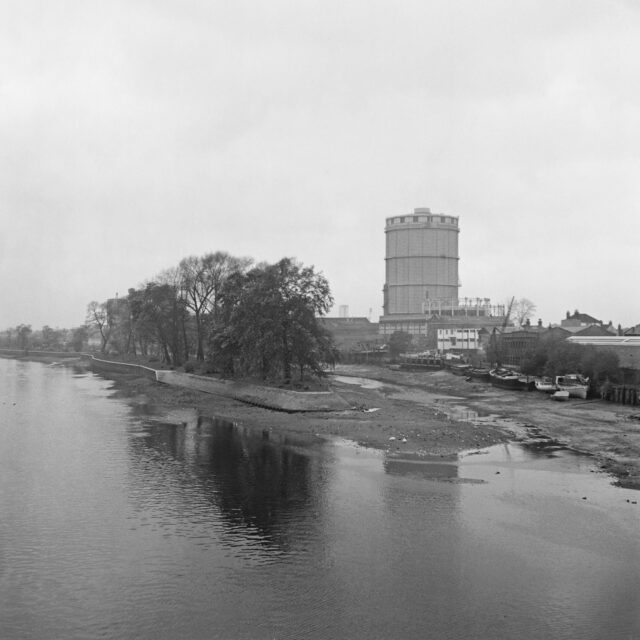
(267, 397)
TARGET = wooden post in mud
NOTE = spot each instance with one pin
(621, 394)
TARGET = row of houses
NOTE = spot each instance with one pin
(470, 336)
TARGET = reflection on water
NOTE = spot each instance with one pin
(118, 522)
(426, 469)
(256, 481)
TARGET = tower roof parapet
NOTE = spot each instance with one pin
(423, 216)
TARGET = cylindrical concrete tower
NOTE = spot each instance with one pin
(421, 261)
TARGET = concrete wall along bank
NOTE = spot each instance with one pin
(100, 365)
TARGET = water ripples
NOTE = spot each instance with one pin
(119, 523)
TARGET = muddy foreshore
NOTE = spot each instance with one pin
(426, 414)
(432, 414)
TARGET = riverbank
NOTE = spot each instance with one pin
(424, 414)
(430, 414)
(608, 432)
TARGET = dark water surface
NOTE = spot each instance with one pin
(116, 523)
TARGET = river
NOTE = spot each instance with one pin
(118, 522)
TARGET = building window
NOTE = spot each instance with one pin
(443, 219)
(416, 219)
(402, 219)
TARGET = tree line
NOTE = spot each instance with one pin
(24, 337)
(557, 357)
(228, 313)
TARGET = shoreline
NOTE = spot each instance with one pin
(430, 415)
(421, 415)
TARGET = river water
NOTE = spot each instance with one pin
(120, 523)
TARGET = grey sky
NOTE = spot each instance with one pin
(133, 134)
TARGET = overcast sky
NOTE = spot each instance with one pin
(135, 133)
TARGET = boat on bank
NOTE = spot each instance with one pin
(546, 385)
(460, 369)
(420, 362)
(479, 373)
(509, 379)
(560, 395)
(574, 383)
(420, 365)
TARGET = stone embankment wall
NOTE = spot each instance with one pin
(268, 397)
(99, 365)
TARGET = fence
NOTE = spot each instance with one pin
(622, 394)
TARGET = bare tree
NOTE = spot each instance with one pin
(197, 286)
(202, 279)
(522, 310)
(99, 317)
(172, 279)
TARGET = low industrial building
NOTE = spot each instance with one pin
(467, 323)
(357, 339)
(626, 347)
(514, 345)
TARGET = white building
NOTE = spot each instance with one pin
(459, 339)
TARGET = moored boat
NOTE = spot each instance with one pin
(546, 385)
(574, 383)
(509, 379)
(479, 373)
(460, 369)
(421, 362)
(560, 395)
